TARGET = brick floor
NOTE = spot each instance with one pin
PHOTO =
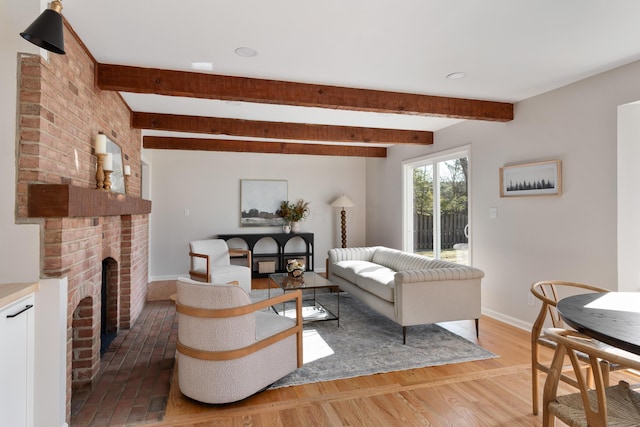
(135, 373)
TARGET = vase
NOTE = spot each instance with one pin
(295, 226)
(286, 229)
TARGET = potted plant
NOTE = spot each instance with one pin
(293, 213)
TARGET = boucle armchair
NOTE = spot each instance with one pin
(211, 262)
(229, 348)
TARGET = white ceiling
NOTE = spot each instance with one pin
(509, 49)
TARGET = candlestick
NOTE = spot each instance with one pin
(100, 170)
(101, 143)
(108, 162)
(107, 180)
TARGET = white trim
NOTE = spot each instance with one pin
(176, 276)
(440, 155)
(167, 277)
(511, 321)
(407, 194)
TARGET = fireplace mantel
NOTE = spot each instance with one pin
(65, 201)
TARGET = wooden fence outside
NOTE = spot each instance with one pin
(452, 231)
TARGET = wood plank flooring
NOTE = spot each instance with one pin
(494, 392)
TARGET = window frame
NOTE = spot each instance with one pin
(407, 195)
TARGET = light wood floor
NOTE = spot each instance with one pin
(494, 392)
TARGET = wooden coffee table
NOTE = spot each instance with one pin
(312, 310)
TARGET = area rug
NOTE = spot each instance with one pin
(368, 343)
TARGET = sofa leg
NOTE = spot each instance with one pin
(477, 328)
(404, 335)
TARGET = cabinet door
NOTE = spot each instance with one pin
(16, 363)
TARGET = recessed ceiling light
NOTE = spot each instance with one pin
(457, 75)
(205, 66)
(246, 52)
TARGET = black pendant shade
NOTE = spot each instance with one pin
(46, 31)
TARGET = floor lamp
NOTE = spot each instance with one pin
(343, 202)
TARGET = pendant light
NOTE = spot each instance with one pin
(46, 31)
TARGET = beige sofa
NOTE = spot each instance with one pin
(409, 289)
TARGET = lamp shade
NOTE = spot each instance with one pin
(46, 31)
(342, 202)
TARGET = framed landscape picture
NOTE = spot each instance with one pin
(260, 200)
(531, 179)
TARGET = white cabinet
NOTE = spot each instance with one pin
(16, 362)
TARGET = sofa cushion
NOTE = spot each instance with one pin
(379, 282)
(348, 270)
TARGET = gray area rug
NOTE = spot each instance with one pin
(368, 343)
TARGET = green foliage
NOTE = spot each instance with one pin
(453, 188)
(423, 190)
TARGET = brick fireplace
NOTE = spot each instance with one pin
(87, 235)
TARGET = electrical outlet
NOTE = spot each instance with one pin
(531, 299)
(186, 212)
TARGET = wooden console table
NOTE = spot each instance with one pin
(281, 256)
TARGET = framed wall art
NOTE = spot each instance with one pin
(260, 200)
(531, 179)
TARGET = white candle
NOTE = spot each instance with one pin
(127, 169)
(108, 162)
(101, 143)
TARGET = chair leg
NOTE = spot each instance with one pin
(534, 387)
(404, 335)
(477, 328)
(535, 376)
(548, 419)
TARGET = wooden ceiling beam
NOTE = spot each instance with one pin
(211, 86)
(277, 130)
(273, 147)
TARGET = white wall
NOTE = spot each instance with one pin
(572, 237)
(19, 244)
(628, 200)
(208, 185)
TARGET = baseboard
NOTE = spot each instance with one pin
(176, 276)
(169, 277)
(507, 319)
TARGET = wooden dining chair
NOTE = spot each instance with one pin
(597, 405)
(547, 292)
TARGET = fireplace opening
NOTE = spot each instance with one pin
(108, 304)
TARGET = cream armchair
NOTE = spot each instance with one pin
(229, 348)
(211, 262)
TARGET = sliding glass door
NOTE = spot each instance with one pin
(436, 206)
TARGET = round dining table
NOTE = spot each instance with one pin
(610, 317)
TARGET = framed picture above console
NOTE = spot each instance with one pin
(260, 200)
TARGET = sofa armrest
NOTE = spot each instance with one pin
(351, 254)
(437, 295)
(434, 274)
